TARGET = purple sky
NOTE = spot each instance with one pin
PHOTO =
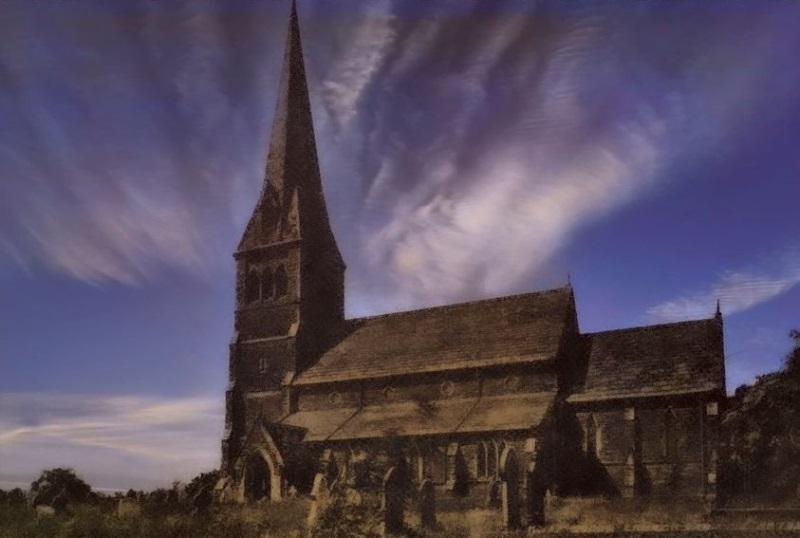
(468, 150)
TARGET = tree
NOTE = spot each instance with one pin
(761, 434)
(51, 482)
(202, 481)
(15, 497)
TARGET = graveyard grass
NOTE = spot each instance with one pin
(288, 518)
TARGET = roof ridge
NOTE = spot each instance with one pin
(670, 324)
(465, 303)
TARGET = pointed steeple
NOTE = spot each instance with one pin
(718, 313)
(292, 204)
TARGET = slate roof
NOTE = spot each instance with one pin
(458, 415)
(674, 358)
(319, 424)
(520, 328)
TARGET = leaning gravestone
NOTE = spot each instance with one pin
(394, 490)
(509, 473)
(320, 497)
(427, 504)
(537, 489)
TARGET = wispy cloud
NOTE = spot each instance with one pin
(484, 203)
(364, 50)
(736, 291)
(113, 441)
(106, 151)
(140, 145)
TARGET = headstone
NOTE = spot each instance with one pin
(319, 496)
(352, 496)
(537, 490)
(329, 466)
(509, 474)
(394, 489)
(427, 504)
(128, 508)
(44, 511)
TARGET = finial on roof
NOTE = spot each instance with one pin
(569, 280)
(719, 311)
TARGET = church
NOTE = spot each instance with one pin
(466, 395)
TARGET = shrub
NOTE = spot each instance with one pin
(51, 482)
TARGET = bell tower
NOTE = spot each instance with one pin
(289, 271)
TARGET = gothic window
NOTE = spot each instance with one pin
(670, 438)
(335, 398)
(712, 468)
(388, 393)
(415, 464)
(482, 456)
(491, 459)
(592, 436)
(439, 464)
(281, 282)
(266, 285)
(425, 461)
(251, 286)
(629, 473)
(262, 365)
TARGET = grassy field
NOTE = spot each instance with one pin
(288, 518)
(238, 521)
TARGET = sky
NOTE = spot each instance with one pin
(645, 151)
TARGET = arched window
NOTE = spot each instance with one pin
(491, 459)
(629, 473)
(670, 439)
(266, 285)
(281, 282)
(592, 435)
(439, 464)
(415, 463)
(482, 454)
(252, 289)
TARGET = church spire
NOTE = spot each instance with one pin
(292, 204)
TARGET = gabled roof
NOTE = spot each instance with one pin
(458, 415)
(668, 359)
(520, 328)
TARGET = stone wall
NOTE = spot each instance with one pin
(659, 450)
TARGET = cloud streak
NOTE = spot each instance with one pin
(113, 441)
(737, 291)
(452, 134)
(512, 173)
(116, 178)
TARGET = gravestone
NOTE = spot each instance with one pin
(394, 493)
(320, 497)
(427, 504)
(537, 489)
(509, 474)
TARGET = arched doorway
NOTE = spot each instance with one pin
(257, 478)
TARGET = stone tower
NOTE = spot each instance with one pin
(289, 271)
